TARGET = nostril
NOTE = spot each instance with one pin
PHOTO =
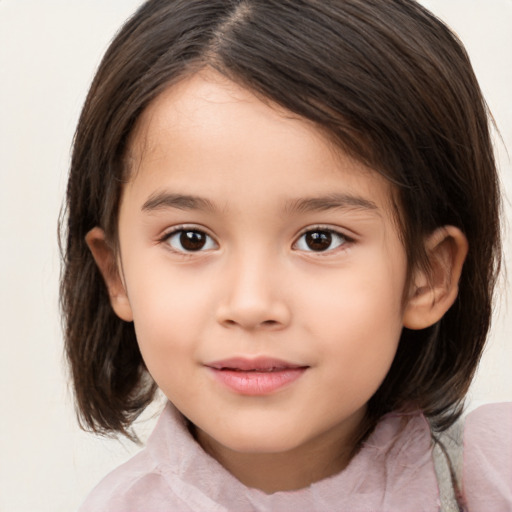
(253, 316)
(265, 323)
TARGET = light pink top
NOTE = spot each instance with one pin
(394, 472)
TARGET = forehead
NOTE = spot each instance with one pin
(208, 131)
(202, 109)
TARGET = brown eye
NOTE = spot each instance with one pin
(190, 240)
(320, 240)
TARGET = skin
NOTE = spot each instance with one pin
(264, 178)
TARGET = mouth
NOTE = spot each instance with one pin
(256, 377)
(260, 364)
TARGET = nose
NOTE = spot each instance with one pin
(254, 296)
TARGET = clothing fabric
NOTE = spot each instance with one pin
(448, 462)
(393, 472)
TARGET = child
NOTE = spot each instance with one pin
(284, 214)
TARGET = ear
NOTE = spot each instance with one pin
(433, 291)
(105, 259)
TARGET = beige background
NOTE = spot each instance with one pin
(49, 50)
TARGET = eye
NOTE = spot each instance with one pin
(320, 240)
(190, 240)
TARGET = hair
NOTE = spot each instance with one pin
(389, 83)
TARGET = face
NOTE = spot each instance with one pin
(262, 269)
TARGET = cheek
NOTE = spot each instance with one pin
(168, 312)
(361, 355)
(360, 321)
(356, 302)
(165, 330)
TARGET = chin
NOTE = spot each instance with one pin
(260, 441)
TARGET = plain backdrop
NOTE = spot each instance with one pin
(49, 50)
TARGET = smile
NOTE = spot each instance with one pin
(255, 377)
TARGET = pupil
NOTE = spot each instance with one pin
(319, 240)
(192, 240)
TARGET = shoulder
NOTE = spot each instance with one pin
(487, 470)
(136, 485)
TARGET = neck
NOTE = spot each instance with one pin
(295, 469)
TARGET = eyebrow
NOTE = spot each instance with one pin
(330, 202)
(162, 200)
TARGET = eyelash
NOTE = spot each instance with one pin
(210, 243)
(180, 230)
(342, 238)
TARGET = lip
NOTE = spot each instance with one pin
(256, 377)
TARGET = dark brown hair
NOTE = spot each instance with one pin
(385, 79)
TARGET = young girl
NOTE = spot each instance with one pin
(284, 214)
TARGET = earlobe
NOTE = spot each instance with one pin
(105, 259)
(433, 291)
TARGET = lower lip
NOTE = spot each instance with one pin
(257, 383)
